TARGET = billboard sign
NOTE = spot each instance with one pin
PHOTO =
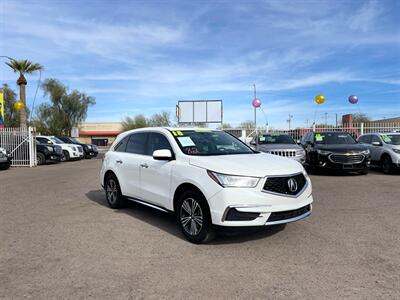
(199, 111)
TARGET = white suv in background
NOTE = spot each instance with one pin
(70, 151)
(208, 178)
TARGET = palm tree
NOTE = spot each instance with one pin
(23, 66)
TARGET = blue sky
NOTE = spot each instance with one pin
(143, 56)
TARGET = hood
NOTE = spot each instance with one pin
(267, 147)
(258, 165)
(345, 148)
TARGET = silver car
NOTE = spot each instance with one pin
(279, 144)
(384, 148)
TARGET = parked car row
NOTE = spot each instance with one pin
(62, 148)
(335, 150)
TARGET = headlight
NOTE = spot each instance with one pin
(51, 149)
(233, 180)
(73, 148)
(396, 151)
(89, 146)
(323, 152)
(300, 152)
(366, 152)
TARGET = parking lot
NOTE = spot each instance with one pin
(60, 240)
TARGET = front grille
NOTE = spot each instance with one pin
(289, 214)
(280, 185)
(284, 153)
(346, 159)
(58, 149)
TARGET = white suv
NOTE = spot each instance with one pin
(207, 178)
(70, 151)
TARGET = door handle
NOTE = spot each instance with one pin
(144, 165)
(119, 161)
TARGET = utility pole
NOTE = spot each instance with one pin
(290, 120)
(336, 120)
(326, 119)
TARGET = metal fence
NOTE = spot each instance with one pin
(22, 145)
(297, 133)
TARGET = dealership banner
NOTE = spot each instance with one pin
(1, 109)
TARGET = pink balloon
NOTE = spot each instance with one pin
(256, 103)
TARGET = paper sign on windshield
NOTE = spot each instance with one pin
(186, 141)
(319, 138)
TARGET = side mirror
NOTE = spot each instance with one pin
(298, 142)
(253, 143)
(162, 154)
(376, 144)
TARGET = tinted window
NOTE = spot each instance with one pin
(334, 138)
(376, 138)
(43, 140)
(157, 141)
(366, 139)
(121, 146)
(137, 143)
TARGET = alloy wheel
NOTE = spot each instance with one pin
(112, 191)
(191, 216)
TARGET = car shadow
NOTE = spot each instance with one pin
(167, 222)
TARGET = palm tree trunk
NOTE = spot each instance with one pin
(22, 113)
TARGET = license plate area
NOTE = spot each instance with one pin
(347, 167)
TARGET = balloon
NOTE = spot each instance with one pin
(353, 99)
(256, 103)
(18, 105)
(319, 99)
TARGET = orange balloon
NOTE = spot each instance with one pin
(319, 99)
(18, 105)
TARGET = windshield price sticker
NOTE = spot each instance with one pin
(177, 133)
(262, 138)
(386, 138)
(186, 141)
(319, 137)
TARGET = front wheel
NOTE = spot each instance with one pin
(41, 159)
(113, 192)
(387, 165)
(193, 217)
(5, 166)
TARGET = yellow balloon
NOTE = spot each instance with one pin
(319, 99)
(18, 105)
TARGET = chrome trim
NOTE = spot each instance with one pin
(147, 204)
(305, 215)
(241, 206)
(286, 195)
(347, 155)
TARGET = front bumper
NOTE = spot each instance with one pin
(260, 204)
(323, 161)
(91, 153)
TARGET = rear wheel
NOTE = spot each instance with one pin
(193, 217)
(5, 166)
(113, 192)
(41, 159)
(387, 165)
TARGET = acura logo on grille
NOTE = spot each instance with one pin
(292, 184)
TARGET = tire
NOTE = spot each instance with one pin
(113, 192)
(194, 218)
(65, 156)
(387, 165)
(41, 159)
(5, 166)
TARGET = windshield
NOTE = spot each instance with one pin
(334, 138)
(275, 139)
(391, 139)
(56, 140)
(208, 142)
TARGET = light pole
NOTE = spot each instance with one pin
(290, 120)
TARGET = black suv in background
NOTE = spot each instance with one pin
(48, 153)
(336, 151)
(90, 150)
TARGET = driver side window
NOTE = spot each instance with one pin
(157, 141)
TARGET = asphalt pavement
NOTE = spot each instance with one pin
(59, 239)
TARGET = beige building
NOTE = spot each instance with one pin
(99, 133)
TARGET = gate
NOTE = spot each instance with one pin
(21, 144)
